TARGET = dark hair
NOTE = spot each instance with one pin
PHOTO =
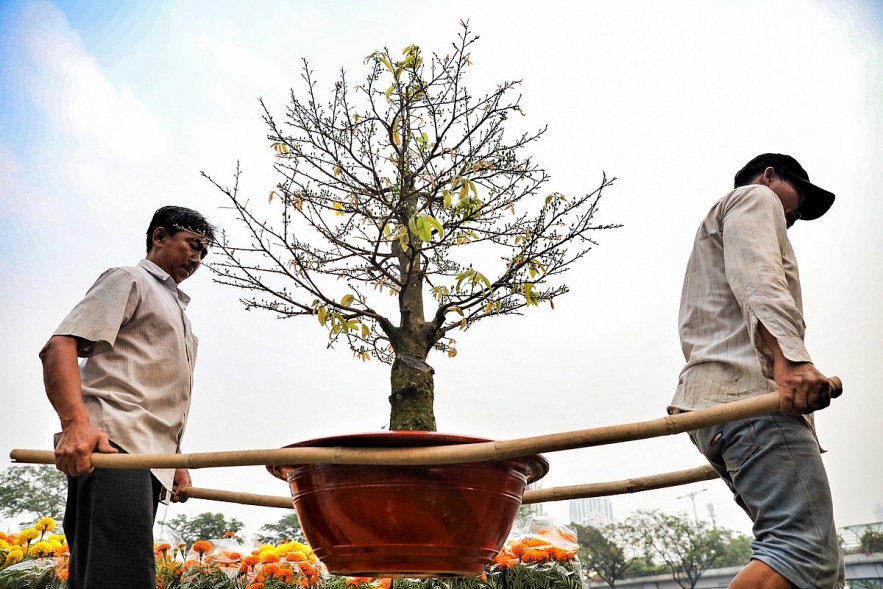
(174, 219)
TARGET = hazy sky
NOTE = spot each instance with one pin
(107, 114)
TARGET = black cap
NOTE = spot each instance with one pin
(816, 201)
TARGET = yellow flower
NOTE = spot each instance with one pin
(14, 557)
(4, 543)
(45, 524)
(26, 535)
(41, 549)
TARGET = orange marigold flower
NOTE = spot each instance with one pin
(270, 569)
(303, 582)
(284, 575)
(567, 535)
(63, 575)
(201, 546)
(229, 534)
(534, 555)
(306, 568)
(483, 577)
(257, 585)
(270, 557)
(251, 560)
(384, 583)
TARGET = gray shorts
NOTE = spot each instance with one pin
(773, 466)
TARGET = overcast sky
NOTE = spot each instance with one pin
(107, 114)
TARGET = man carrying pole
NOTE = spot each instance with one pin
(741, 328)
(131, 394)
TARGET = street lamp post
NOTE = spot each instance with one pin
(692, 497)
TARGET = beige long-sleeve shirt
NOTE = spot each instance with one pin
(137, 375)
(742, 272)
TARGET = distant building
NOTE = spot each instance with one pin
(593, 511)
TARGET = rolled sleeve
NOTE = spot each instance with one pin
(108, 305)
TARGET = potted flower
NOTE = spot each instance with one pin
(405, 186)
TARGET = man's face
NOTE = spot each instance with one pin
(786, 191)
(179, 254)
(790, 197)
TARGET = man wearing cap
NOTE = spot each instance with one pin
(741, 328)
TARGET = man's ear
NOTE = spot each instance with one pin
(159, 234)
(768, 175)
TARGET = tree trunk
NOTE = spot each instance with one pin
(411, 400)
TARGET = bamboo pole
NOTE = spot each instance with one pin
(634, 485)
(459, 453)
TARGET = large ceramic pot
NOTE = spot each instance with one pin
(408, 521)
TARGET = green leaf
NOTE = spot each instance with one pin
(436, 225)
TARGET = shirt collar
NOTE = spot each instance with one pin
(165, 278)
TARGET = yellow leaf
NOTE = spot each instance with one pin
(336, 171)
(452, 352)
(366, 331)
(338, 209)
(347, 300)
(462, 324)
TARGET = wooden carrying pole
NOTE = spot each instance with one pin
(635, 485)
(460, 453)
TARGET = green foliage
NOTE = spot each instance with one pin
(604, 552)
(686, 547)
(34, 491)
(871, 541)
(286, 529)
(204, 526)
(732, 549)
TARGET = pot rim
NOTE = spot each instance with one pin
(537, 464)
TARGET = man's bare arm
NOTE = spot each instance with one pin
(61, 377)
(802, 388)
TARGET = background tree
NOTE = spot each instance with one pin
(732, 549)
(205, 526)
(871, 541)
(415, 192)
(686, 547)
(35, 491)
(287, 528)
(604, 552)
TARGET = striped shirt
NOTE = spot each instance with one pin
(742, 273)
(138, 371)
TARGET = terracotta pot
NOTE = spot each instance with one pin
(407, 521)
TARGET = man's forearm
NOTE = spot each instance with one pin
(61, 378)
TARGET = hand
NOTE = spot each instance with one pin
(802, 388)
(180, 485)
(73, 453)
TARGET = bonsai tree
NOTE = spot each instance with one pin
(405, 185)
